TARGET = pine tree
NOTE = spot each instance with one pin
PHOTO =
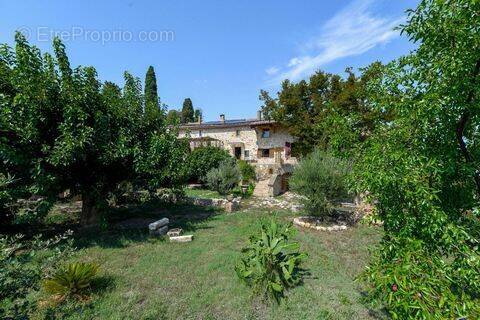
(187, 111)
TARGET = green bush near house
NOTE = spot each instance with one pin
(247, 171)
(322, 179)
(224, 178)
(270, 264)
(201, 160)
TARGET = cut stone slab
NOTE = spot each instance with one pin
(159, 232)
(187, 238)
(158, 224)
(174, 232)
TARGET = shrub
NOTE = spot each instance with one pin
(224, 178)
(201, 160)
(321, 179)
(270, 264)
(413, 283)
(247, 171)
(22, 264)
(73, 281)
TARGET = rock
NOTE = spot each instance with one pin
(232, 206)
(186, 238)
(159, 232)
(158, 224)
(174, 232)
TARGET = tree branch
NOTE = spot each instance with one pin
(462, 123)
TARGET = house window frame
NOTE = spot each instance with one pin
(265, 153)
(237, 133)
(246, 154)
(265, 133)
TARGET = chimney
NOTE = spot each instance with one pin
(222, 118)
(259, 115)
(199, 119)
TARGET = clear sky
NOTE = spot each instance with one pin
(218, 53)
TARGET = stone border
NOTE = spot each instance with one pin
(298, 221)
(227, 205)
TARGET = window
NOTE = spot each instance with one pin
(288, 149)
(246, 154)
(237, 133)
(200, 133)
(265, 153)
(266, 133)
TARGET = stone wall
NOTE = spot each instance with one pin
(247, 138)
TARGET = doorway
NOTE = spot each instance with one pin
(238, 152)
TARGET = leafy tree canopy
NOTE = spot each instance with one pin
(61, 128)
(326, 111)
(422, 167)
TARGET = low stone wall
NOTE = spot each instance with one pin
(310, 222)
(227, 205)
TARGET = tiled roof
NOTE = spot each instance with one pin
(226, 123)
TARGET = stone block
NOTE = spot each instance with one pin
(186, 238)
(232, 206)
(174, 232)
(158, 224)
(159, 232)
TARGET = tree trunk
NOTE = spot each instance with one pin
(90, 213)
(462, 123)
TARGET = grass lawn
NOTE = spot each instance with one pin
(155, 279)
(203, 193)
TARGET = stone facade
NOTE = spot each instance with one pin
(263, 143)
(258, 141)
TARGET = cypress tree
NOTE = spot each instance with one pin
(187, 111)
(198, 114)
(151, 94)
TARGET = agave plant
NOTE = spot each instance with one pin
(73, 281)
(270, 263)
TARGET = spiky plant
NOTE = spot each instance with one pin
(270, 264)
(74, 281)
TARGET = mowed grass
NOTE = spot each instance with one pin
(203, 193)
(156, 279)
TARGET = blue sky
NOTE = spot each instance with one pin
(218, 53)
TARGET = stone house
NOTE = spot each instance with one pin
(263, 143)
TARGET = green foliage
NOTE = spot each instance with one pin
(202, 160)
(271, 263)
(66, 130)
(153, 113)
(173, 117)
(322, 180)
(326, 111)
(188, 114)
(74, 281)
(23, 263)
(247, 171)
(224, 178)
(413, 284)
(198, 115)
(422, 167)
(6, 197)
